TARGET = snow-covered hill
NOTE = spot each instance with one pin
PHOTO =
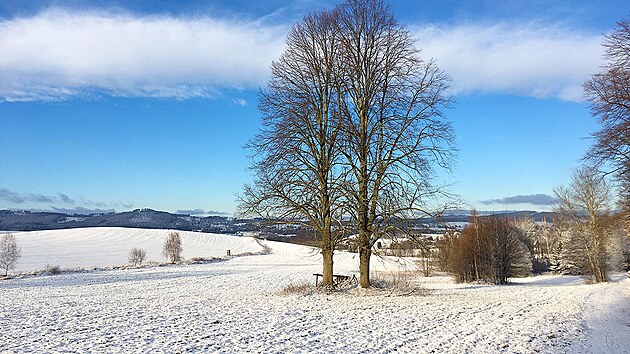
(110, 246)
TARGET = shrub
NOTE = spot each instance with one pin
(53, 269)
(397, 283)
(137, 256)
(303, 288)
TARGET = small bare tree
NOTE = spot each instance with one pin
(173, 247)
(137, 256)
(9, 252)
(426, 256)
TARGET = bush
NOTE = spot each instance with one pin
(137, 256)
(398, 283)
(53, 269)
(303, 288)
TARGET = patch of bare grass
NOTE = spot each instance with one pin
(397, 283)
(52, 269)
(299, 288)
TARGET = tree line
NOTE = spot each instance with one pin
(494, 249)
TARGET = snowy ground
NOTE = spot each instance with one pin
(109, 246)
(235, 306)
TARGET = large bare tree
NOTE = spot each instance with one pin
(394, 132)
(296, 154)
(609, 94)
(352, 128)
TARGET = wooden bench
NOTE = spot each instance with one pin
(337, 278)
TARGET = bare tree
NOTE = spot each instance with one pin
(137, 256)
(394, 132)
(609, 94)
(585, 209)
(9, 252)
(172, 249)
(539, 241)
(445, 247)
(296, 153)
(624, 204)
(426, 256)
(618, 245)
(353, 127)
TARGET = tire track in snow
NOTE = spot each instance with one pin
(607, 317)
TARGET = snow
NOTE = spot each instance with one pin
(608, 317)
(236, 306)
(108, 246)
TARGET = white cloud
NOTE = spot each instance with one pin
(58, 54)
(240, 101)
(522, 59)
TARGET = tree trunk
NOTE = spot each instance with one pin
(598, 264)
(364, 268)
(364, 259)
(327, 255)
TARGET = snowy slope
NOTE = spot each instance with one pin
(234, 307)
(108, 246)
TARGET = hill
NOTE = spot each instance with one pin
(139, 218)
(110, 246)
(19, 220)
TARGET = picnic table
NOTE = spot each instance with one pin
(337, 278)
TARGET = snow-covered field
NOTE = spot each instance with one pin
(109, 246)
(236, 306)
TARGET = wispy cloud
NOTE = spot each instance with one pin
(200, 212)
(240, 101)
(58, 54)
(60, 201)
(21, 198)
(190, 212)
(64, 198)
(534, 199)
(82, 210)
(529, 59)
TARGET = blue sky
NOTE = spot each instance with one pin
(117, 105)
